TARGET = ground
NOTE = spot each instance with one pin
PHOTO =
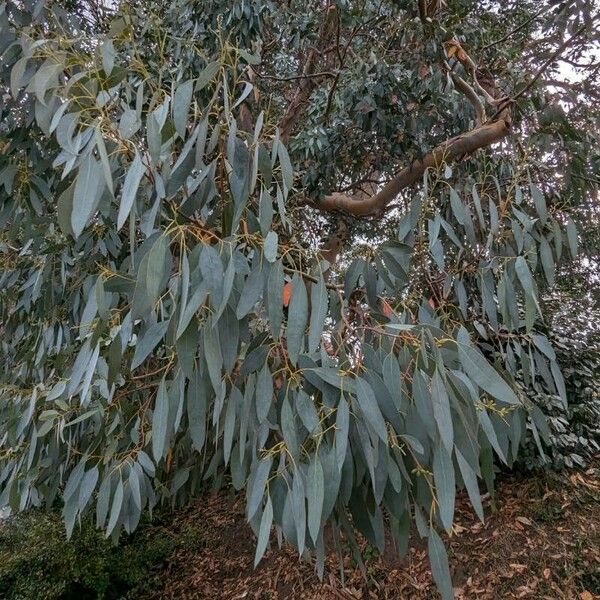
(540, 539)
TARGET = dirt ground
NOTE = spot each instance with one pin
(541, 540)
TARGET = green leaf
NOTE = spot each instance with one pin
(526, 280)
(547, 260)
(264, 393)
(16, 75)
(441, 411)
(470, 479)
(275, 298)
(257, 484)
(299, 509)
(540, 203)
(438, 560)
(297, 318)
(64, 210)
(559, 382)
(230, 417)
(251, 292)
(196, 412)
(306, 411)
(445, 486)
(265, 212)
(227, 287)
(160, 421)
(104, 159)
(543, 345)
(156, 267)
(213, 354)
(148, 342)
(181, 106)
(264, 531)
(107, 50)
(315, 493)
(88, 189)
(318, 311)
(286, 166)
(336, 378)
(130, 187)
(483, 374)
(370, 408)
(134, 485)
(207, 75)
(115, 511)
(270, 247)
(572, 237)
(342, 427)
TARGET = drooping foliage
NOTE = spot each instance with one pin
(182, 306)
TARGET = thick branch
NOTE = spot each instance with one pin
(461, 145)
(462, 86)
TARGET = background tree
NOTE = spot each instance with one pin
(301, 247)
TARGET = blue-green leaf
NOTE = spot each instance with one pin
(297, 318)
(440, 570)
(160, 421)
(445, 486)
(130, 187)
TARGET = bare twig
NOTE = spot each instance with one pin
(517, 29)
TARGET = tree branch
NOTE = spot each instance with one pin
(462, 86)
(541, 70)
(483, 135)
(517, 29)
(461, 145)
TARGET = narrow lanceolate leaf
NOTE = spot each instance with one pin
(88, 189)
(264, 393)
(181, 106)
(297, 318)
(196, 412)
(470, 478)
(156, 267)
(370, 408)
(257, 486)
(134, 484)
(540, 203)
(318, 312)
(299, 509)
(445, 487)
(441, 410)
(559, 381)
(263, 533)
(526, 279)
(342, 425)
(275, 298)
(270, 246)
(572, 237)
(213, 355)
(115, 511)
(315, 493)
(547, 260)
(130, 187)
(251, 292)
(160, 421)
(438, 558)
(104, 159)
(483, 374)
(286, 166)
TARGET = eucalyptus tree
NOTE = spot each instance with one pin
(294, 247)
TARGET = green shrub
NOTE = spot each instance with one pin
(574, 433)
(37, 562)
